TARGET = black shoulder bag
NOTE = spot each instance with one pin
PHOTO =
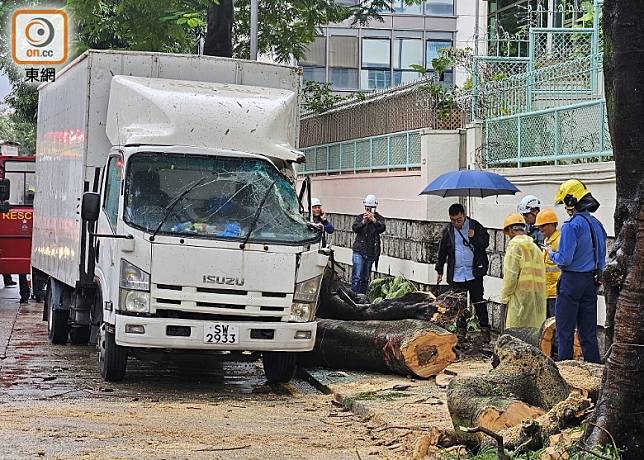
(597, 272)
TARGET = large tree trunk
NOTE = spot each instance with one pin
(620, 410)
(406, 347)
(523, 385)
(219, 32)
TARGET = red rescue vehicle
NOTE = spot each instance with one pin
(16, 217)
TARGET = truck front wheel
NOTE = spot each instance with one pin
(112, 358)
(57, 327)
(279, 367)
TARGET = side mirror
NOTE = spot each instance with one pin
(5, 189)
(90, 206)
(4, 207)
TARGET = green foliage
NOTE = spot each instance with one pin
(12, 129)
(318, 97)
(589, 14)
(390, 288)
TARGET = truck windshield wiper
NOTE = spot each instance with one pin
(257, 213)
(173, 203)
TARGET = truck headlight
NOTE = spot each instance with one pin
(133, 277)
(134, 295)
(134, 301)
(302, 312)
(305, 299)
(307, 291)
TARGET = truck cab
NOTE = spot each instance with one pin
(204, 249)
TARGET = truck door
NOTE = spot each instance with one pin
(108, 218)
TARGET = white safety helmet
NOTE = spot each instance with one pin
(370, 201)
(527, 204)
(315, 202)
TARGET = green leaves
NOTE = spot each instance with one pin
(318, 97)
(390, 288)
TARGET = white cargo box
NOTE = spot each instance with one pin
(72, 145)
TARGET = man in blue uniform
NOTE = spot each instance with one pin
(582, 257)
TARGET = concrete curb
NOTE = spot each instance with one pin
(357, 407)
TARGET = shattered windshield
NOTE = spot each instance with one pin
(216, 197)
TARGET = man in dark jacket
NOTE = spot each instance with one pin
(366, 248)
(463, 246)
(320, 219)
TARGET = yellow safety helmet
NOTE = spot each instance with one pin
(546, 216)
(570, 192)
(512, 219)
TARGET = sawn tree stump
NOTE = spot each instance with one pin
(524, 384)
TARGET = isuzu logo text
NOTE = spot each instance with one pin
(229, 280)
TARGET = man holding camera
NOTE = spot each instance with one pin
(368, 227)
(581, 255)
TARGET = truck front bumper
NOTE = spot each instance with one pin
(286, 336)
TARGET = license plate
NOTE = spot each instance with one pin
(221, 333)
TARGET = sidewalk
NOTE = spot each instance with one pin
(9, 307)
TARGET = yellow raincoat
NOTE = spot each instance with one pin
(553, 272)
(524, 283)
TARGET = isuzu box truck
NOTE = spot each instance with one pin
(166, 215)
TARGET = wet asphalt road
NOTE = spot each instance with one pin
(54, 404)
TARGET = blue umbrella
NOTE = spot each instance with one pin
(469, 182)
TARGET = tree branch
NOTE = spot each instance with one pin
(500, 451)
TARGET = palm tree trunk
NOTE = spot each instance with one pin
(219, 32)
(619, 415)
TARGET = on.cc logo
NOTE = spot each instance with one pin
(39, 36)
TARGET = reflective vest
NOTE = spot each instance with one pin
(524, 283)
(553, 272)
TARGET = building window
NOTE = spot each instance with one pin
(439, 7)
(314, 62)
(343, 62)
(433, 51)
(376, 63)
(407, 52)
(400, 7)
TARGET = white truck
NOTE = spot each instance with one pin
(166, 215)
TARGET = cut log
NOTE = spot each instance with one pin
(532, 434)
(548, 340)
(544, 338)
(523, 385)
(405, 347)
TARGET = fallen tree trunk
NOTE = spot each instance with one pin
(337, 301)
(544, 339)
(406, 347)
(523, 385)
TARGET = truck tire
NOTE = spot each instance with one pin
(279, 367)
(112, 358)
(57, 327)
(79, 335)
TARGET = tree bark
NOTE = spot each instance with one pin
(620, 410)
(219, 30)
(533, 434)
(405, 347)
(544, 338)
(524, 385)
(441, 311)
